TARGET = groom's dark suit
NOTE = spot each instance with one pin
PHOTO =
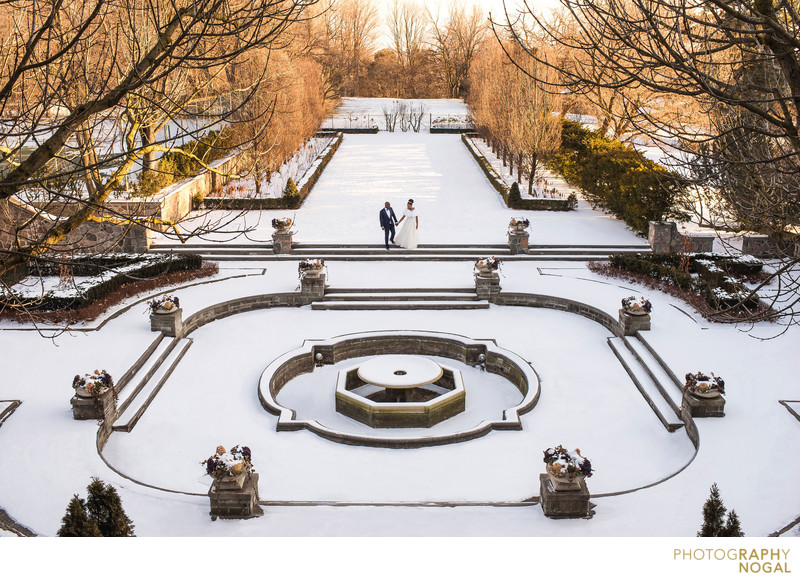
(388, 220)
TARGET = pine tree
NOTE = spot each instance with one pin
(105, 507)
(733, 528)
(514, 196)
(713, 515)
(76, 523)
(291, 195)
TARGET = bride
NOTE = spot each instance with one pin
(408, 235)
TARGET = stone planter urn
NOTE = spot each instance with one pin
(634, 315)
(487, 279)
(95, 398)
(518, 236)
(702, 396)
(282, 237)
(562, 489)
(569, 482)
(312, 278)
(234, 492)
(166, 316)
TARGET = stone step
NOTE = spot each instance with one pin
(137, 406)
(389, 256)
(140, 374)
(662, 407)
(403, 296)
(396, 305)
(670, 390)
(429, 290)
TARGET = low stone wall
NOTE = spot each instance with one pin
(174, 202)
(561, 304)
(663, 237)
(241, 305)
(765, 247)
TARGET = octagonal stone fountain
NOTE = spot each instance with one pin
(400, 391)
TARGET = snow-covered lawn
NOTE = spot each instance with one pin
(456, 203)
(587, 399)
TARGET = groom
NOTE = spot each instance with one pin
(388, 222)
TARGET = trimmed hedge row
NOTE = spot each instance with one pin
(715, 280)
(154, 266)
(282, 203)
(616, 177)
(514, 201)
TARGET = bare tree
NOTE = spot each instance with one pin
(408, 28)
(456, 38)
(351, 32)
(731, 70)
(85, 87)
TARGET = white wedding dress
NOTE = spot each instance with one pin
(408, 235)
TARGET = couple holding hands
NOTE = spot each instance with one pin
(408, 234)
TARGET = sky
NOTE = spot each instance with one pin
(495, 7)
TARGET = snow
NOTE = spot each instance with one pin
(455, 201)
(297, 167)
(587, 399)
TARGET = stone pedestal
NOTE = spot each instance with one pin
(312, 284)
(518, 242)
(660, 236)
(563, 504)
(101, 407)
(631, 323)
(487, 285)
(233, 498)
(696, 407)
(282, 242)
(171, 322)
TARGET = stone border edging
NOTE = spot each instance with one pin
(253, 303)
(122, 310)
(466, 350)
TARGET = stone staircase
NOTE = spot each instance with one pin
(656, 382)
(140, 385)
(394, 299)
(362, 252)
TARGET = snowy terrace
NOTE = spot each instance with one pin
(315, 487)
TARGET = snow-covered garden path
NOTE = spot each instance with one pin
(587, 399)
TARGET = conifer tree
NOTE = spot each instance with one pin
(105, 507)
(291, 195)
(733, 528)
(514, 196)
(76, 523)
(713, 515)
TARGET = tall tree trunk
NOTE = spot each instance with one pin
(147, 134)
(533, 173)
(519, 169)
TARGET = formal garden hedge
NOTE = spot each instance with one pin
(293, 197)
(715, 278)
(511, 196)
(106, 274)
(616, 177)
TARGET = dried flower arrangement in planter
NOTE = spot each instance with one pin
(164, 304)
(635, 306)
(94, 384)
(704, 385)
(567, 468)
